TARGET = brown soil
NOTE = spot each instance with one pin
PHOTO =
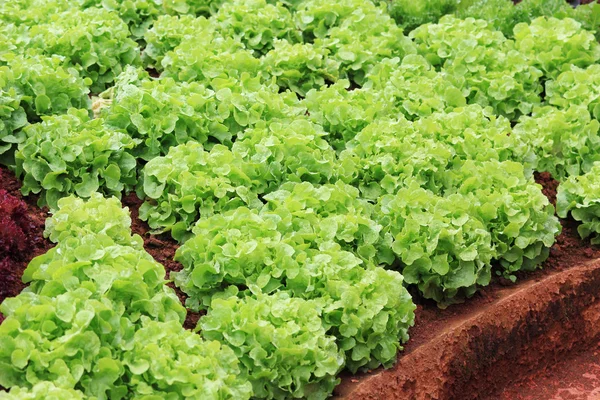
(577, 377)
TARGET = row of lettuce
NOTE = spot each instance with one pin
(98, 321)
(311, 159)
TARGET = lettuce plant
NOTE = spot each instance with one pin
(168, 31)
(137, 14)
(562, 142)
(193, 7)
(284, 350)
(207, 58)
(190, 182)
(316, 18)
(300, 66)
(71, 339)
(580, 196)
(248, 101)
(588, 15)
(42, 390)
(163, 113)
(388, 153)
(487, 211)
(287, 151)
(357, 33)
(453, 40)
(32, 86)
(365, 307)
(12, 115)
(46, 86)
(343, 112)
(72, 154)
(168, 361)
(32, 12)
(411, 14)
(122, 274)
(328, 213)
(414, 87)
(484, 65)
(95, 41)
(98, 313)
(513, 208)
(553, 45)
(256, 24)
(576, 86)
(503, 15)
(14, 40)
(442, 248)
(364, 39)
(97, 215)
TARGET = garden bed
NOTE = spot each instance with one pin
(508, 339)
(504, 335)
(328, 178)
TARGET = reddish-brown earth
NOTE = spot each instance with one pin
(498, 343)
(576, 377)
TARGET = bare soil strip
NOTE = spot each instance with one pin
(529, 327)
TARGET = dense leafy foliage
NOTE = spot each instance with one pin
(98, 313)
(563, 142)
(551, 44)
(295, 244)
(576, 86)
(41, 391)
(256, 23)
(94, 41)
(483, 63)
(72, 153)
(32, 86)
(76, 217)
(300, 66)
(411, 14)
(168, 31)
(190, 181)
(316, 160)
(281, 343)
(580, 197)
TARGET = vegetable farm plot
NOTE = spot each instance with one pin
(297, 199)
